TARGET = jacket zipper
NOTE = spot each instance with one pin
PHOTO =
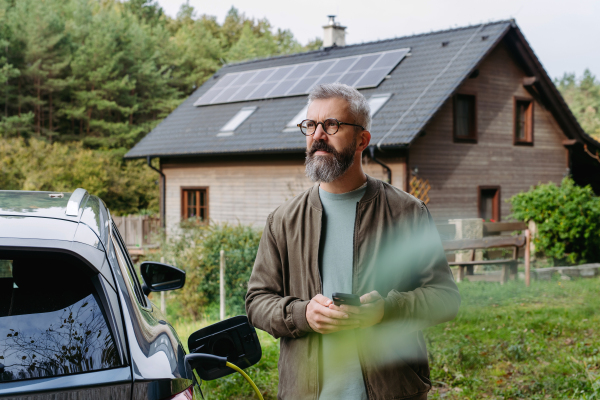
(354, 289)
(320, 290)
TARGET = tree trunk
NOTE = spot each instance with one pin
(38, 109)
(131, 115)
(19, 101)
(89, 115)
(50, 113)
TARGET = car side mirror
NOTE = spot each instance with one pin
(160, 277)
(233, 340)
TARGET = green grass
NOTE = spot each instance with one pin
(507, 342)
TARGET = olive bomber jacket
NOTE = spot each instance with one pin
(397, 251)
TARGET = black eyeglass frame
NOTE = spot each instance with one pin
(323, 125)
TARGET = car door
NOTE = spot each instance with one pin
(58, 333)
(157, 355)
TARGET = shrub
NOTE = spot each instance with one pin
(196, 249)
(567, 218)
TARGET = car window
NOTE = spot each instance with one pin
(123, 258)
(51, 318)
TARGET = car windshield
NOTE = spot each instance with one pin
(51, 320)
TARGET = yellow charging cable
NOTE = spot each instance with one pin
(235, 367)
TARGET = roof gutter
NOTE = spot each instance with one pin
(372, 157)
(163, 192)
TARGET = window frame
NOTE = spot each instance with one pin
(496, 203)
(183, 190)
(121, 251)
(529, 126)
(472, 138)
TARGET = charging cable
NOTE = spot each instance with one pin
(195, 359)
(238, 369)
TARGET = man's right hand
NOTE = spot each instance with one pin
(324, 320)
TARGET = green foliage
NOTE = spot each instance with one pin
(583, 97)
(196, 249)
(567, 218)
(39, 165)
(106, 72)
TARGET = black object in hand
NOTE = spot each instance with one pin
(346, 298)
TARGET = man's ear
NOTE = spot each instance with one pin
(364, 138)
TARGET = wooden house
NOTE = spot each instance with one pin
(463, 118)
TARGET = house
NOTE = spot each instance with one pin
(463, 118)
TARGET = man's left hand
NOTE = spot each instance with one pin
(369, 313)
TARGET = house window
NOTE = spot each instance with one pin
(237, 120)
(194, 203)
(489, 203)
(523, 121)
(465, 118)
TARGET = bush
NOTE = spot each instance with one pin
(567, 218)
(196, 249)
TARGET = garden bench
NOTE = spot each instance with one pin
(509, 266)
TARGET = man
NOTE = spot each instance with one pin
(351, 234)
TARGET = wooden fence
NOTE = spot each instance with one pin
(138, 230)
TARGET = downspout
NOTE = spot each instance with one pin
(372, 156)
(163, 194)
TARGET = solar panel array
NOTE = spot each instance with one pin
(362, 71)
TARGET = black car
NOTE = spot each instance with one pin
(75, 322)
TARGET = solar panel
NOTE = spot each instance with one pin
(361, 71)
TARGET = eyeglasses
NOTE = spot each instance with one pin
(308, 127)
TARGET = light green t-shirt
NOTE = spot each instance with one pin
(340, 373)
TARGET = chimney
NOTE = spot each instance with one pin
(333, 33)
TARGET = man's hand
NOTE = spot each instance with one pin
(323, 319)
(369, 313)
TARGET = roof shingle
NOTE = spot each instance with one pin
(419, 85)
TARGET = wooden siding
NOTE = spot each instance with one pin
(455, 170)
(249, 189)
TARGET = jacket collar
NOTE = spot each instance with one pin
(373, 187)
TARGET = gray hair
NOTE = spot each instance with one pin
(358, 104)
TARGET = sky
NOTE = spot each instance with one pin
(563, 34)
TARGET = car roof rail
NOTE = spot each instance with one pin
(74, 202)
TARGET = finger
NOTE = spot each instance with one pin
(370, 297)
(322, 300)
(332, 313)
(351, 309)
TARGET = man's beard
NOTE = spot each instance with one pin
(328, 168)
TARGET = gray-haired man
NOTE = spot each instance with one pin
(351, 234)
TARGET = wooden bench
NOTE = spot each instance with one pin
(509, 266)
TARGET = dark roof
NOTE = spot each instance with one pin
(420, 84)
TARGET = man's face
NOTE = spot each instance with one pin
(328, 157)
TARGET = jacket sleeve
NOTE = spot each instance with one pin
(267, 307)
(435, 298)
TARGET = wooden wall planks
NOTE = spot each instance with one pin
(248, 190)
(455, 170)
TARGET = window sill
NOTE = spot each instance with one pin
(522, 143)
(465, 140)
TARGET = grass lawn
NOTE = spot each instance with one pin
(508, 342)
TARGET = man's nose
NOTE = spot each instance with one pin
(320, 133)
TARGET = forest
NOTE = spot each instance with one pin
(82, 81)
